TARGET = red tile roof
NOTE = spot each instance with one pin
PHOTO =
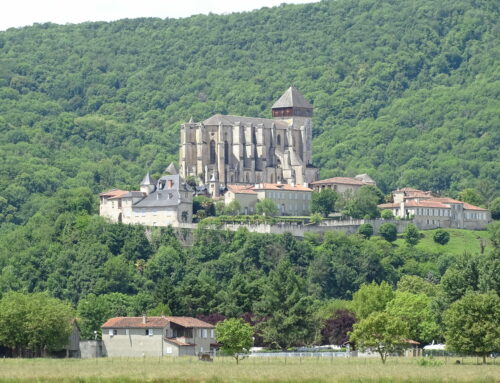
(288, 187)
(114, 193)
(189, 322)
(154, 322)
(341, 180)
(434, 202)
(468, 206)
(252, 189)
(425, 203)
(241, 189)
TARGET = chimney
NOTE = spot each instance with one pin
(144, 318)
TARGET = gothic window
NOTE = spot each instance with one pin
(212, 152)
(226, 153)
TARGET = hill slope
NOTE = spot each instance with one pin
(406, 91)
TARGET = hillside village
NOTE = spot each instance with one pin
(235, 160)
(331, 195)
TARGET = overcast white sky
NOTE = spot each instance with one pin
(18, 13)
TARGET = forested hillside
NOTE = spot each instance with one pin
(406, 91)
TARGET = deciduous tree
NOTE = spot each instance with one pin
(235, 336)
(472, 324)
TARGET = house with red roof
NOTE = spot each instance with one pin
(429, 212)
(292, 200)
(157, 336)
(343, 185)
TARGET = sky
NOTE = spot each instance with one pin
(19, 13)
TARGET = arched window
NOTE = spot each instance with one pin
(226, 153)
(212, 152)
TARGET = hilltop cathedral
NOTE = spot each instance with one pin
(230, 149)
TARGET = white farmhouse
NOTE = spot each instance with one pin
(157, 336)
(430, 212)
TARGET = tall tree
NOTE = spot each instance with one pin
(323, 202)
(382, 332)
(472, 324)
(235, 335)
(286, 309)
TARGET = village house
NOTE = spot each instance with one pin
(166, 202)
(430, 212)
(343, 185)
(292, 200)
(157, 336)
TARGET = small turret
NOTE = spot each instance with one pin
(148, 184)
(214, 186)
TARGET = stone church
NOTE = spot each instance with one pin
(226, 149)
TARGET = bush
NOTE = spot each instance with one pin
(389, 232)
(412, 236)
(366, 230)
(441, 236)
(387, 214)
(316, 219)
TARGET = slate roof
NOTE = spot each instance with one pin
(171, 169)
(154, 322)
(167, 196)
(147, 180)
(292, 98)
(217, 119)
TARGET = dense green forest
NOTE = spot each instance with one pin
(406, 91)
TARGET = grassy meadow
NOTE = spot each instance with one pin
(222, 370)
(460, 241)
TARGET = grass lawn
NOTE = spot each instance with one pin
(460, 241)
(249, 370)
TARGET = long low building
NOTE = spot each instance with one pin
(430, 212)
(343, 185)
(157, 336)
(292, 200)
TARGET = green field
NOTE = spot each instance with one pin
(460, 241)
(249, 370)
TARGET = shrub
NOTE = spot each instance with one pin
(366, 230)
(389, 232)
(412, 236)
(316, 218)
(441, 236)
(387, 214)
